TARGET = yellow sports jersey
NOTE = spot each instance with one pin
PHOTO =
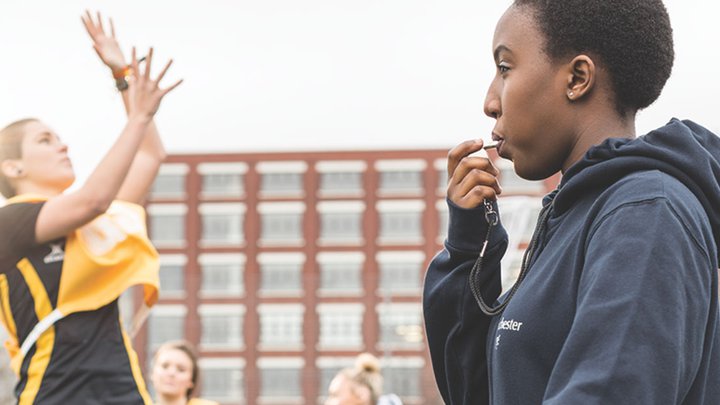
(58, 302)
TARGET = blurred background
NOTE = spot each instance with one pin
(305, 191)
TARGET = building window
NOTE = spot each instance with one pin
(519, 215)
(167, 224)
(400, 272)
(401, 221)
(441, 169)
(281, 326)
(221, 326)
(341, 177)
(340, 326)
(443, 220)
(222, 180)
(222, 224)
(512, 183)
(328, 367)
(401, 176)
(340, 222)
(400, 325)
(340, 272)
(282, 178)
(402, 376)
(281, 273)
(280, 379)
(170, 182)
(222, 379)
(166, 322)
(222, 274)
(172, 275)
(281, 223)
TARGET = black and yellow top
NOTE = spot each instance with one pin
(58, 302)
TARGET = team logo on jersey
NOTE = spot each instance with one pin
(57, 254)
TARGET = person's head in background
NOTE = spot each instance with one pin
(33, 159)
(359, 385)
(174, 371)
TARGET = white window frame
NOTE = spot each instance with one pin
(442, 212)
(167, 310)
(238, 259)
(284, 208)
(341, 166)
(405, 256)
(237, 209)
(517, 184)
(341, 309)
(358, 258)
(172, 209)
(281, 363)
(414, 362)
(171, 169)
(231, 310)
(440, 165)
(291, 258)
(298, 310)
(401, 206)
(233, 364)
(277, 167)
(415, 333)
(173, 260)
(341, 207)
(230, 168)
(401, 165)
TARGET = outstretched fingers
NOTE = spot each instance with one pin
(171, 87)
(165, 69)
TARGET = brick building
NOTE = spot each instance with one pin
(282, 267)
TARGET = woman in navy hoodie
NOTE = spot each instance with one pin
(617, 300)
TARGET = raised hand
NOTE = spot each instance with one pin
(471, 178)
(105, 45)
(145, 94)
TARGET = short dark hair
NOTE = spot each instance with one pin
(632, 38)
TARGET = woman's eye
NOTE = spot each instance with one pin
(503, 69)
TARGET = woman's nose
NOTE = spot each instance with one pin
(491, 107)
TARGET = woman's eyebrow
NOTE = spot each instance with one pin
(500, 48)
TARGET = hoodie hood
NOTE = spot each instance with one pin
(682, 149)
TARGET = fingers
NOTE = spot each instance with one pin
(112, 28)
(471, 178)
(475, 178)
(459, 152)
(162, 73)
(88, 23)
(469, 163)
(171, 88)
(99, 23)
(133, 61)
(148, 63)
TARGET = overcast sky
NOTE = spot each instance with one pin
(299, 74)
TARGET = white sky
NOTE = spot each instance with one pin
(299, 75)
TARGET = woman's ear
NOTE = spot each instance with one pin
(581, 77)
(12, 169)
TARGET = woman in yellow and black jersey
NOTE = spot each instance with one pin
(66, 257)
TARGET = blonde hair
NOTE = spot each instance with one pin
(366, 373)
(187, 348)
(11, 138)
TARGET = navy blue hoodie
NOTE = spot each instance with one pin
(620, 305)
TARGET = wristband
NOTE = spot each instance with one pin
(121, 76)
